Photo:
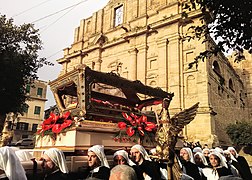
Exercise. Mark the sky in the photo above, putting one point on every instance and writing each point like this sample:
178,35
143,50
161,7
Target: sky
56,20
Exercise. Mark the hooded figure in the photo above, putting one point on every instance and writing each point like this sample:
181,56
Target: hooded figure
232,163
146,168
200,160
219,167
98,166
188,165
99,151
10,164
54,164
125,157
245,170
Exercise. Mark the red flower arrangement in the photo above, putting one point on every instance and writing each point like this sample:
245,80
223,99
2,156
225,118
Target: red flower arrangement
135,126
55,124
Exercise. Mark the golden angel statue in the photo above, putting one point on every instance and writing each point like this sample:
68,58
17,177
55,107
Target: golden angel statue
167,135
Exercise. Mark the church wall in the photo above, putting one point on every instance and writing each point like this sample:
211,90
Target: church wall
159,59
226,93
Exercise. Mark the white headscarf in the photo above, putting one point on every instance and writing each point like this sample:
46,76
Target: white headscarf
202,157
124,154
232,148
57,158
231,155
11,165
24,155
142,151
189,151
197,149
219,150
221,157
99,151
205,149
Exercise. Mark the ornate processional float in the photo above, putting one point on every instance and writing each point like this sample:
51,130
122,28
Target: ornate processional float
103,108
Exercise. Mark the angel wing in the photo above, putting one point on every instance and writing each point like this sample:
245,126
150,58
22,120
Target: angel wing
179,120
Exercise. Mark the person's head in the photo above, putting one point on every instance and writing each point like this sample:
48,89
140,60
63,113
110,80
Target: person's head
219,150
121,157
10,165
197,149
96,157
200,159
186,154
138,154
233,151
53,159
93,160
119,160
214,160
206,152
122,172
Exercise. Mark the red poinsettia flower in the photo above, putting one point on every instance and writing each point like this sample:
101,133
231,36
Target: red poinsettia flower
136,125
126,116
141,132
122,125
56,128
143,118
52,119
66,123
130,131
56,123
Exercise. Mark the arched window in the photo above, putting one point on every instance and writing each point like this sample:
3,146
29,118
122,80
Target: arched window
231,85
216,68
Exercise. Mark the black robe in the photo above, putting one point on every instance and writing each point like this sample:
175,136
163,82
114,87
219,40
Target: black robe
150,168
103,173
56,175
191,170
223,171
245,170
84,173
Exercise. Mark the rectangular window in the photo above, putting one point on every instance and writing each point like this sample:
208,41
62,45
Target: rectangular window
34,127
118,15
26,109
22,126
39,91
37,110
28,88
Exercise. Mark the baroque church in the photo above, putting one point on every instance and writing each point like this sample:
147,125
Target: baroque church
142,40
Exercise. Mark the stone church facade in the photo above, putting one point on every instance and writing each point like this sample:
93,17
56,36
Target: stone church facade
142,40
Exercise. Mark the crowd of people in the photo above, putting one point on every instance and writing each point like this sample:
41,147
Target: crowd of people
196,163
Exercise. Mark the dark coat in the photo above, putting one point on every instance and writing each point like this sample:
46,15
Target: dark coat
84,173
192,170
223,171
245,170
150,168
56,175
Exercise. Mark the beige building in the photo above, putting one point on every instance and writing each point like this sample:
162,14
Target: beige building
142,40
24,126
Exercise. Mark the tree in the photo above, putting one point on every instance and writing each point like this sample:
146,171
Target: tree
19,46
228,21
240,133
